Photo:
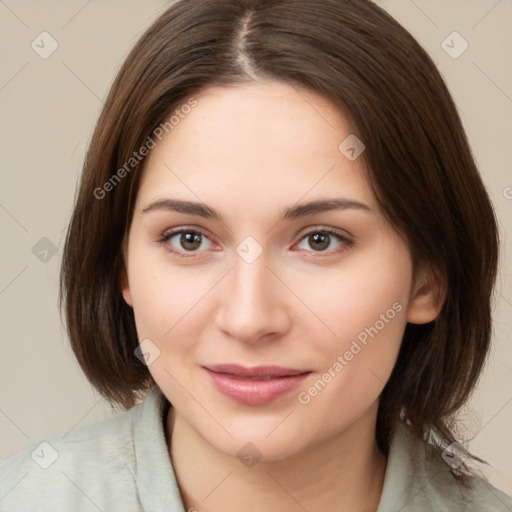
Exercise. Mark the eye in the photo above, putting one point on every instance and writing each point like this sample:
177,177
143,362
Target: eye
183,240
319,240
187,240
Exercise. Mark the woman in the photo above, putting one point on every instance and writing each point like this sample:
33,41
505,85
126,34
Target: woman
281,243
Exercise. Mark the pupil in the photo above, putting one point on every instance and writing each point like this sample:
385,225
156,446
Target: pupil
190,241
321,241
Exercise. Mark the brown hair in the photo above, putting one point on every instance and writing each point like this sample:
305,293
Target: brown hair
417,155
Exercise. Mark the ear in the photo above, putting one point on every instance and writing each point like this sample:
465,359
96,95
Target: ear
427,297
123,277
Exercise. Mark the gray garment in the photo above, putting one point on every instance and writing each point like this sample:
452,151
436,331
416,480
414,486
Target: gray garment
122,464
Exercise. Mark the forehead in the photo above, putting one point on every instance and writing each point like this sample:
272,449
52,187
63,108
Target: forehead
264,140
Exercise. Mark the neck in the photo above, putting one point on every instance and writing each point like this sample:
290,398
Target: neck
347,470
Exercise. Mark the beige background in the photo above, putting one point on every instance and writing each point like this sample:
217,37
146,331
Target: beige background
49,108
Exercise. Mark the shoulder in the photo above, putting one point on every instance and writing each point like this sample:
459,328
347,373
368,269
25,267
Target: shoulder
420,479
76,471
445,492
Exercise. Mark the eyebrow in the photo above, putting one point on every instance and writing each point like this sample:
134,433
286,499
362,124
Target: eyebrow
291,213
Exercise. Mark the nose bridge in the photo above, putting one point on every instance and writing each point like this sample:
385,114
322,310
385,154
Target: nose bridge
250,284
251,306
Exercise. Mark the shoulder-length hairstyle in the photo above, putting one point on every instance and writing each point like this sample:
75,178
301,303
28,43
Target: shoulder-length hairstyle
417,155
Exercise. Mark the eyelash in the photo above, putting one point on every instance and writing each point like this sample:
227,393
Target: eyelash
326,231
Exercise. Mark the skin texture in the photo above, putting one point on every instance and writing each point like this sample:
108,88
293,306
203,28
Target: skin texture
250,151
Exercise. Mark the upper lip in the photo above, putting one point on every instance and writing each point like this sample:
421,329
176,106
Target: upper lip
255,371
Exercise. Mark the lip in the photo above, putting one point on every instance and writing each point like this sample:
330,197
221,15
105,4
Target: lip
258,385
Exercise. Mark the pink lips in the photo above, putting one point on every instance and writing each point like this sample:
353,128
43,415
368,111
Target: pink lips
259,385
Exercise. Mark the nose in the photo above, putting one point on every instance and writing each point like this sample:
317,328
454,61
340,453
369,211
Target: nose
253,305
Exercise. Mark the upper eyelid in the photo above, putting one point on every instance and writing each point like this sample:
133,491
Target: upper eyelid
303,232
331,230
176,231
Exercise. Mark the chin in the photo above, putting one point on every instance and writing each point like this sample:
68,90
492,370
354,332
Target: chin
261,449
265,439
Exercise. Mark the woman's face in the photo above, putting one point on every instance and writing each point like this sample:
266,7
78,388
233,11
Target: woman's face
245,273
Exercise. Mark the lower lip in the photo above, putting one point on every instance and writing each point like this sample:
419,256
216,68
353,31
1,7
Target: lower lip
255,392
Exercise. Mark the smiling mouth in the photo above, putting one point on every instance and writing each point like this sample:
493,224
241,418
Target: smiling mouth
254,386
256,372
239,377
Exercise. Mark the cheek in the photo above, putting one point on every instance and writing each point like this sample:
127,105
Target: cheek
168,311
357,298
167,298
366,307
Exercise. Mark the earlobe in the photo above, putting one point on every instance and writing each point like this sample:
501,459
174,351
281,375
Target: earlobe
123,275
125,287
123,281
427,298
127,296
